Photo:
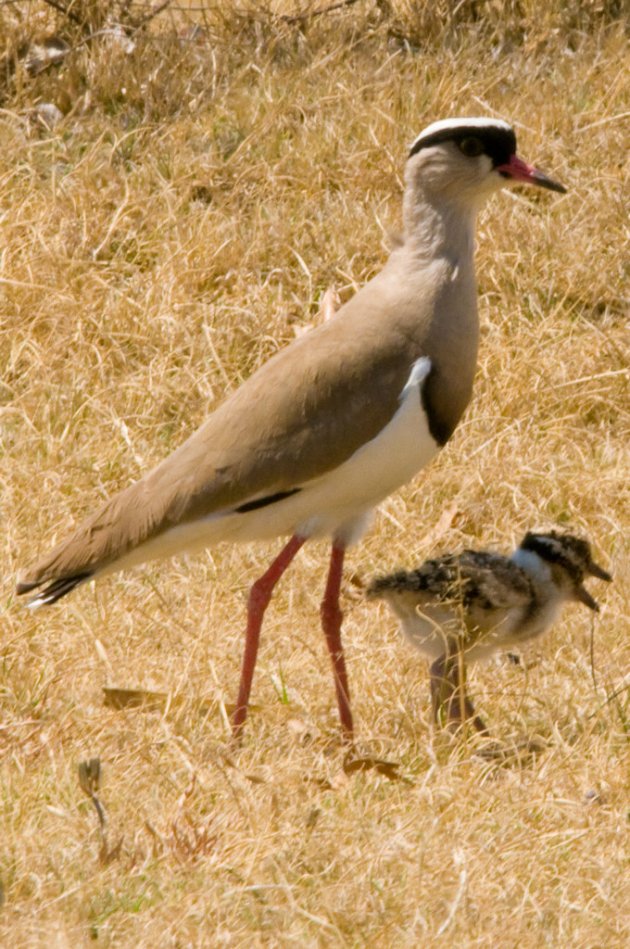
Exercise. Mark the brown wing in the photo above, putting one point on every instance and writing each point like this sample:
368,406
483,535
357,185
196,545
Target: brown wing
303,413
493,582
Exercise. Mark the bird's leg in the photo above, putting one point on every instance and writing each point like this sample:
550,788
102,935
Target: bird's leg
456,671
448,690
444,684
440,687
478,723
259,597
464,710
331,617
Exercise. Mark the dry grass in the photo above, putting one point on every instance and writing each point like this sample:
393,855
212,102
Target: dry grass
170,233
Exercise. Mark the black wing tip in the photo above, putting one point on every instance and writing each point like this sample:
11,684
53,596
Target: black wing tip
54,591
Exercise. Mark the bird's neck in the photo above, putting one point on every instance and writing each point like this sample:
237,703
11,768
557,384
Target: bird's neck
441,229
548,597
540,573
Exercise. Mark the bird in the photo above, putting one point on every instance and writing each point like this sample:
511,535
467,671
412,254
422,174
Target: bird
332,424
463,607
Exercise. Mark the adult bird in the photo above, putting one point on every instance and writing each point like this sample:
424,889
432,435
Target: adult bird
334,423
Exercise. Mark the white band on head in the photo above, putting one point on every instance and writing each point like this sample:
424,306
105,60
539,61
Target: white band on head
445,125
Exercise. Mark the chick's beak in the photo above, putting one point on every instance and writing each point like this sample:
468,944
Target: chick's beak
583,596
596,571
518,170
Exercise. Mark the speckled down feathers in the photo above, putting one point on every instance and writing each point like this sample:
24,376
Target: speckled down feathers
487,580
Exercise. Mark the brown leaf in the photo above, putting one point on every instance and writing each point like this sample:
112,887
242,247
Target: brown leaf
388,769
134,698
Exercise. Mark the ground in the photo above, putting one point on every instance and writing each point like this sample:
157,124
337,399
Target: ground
182,220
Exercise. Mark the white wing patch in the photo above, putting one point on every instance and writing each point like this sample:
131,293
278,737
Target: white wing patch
419,371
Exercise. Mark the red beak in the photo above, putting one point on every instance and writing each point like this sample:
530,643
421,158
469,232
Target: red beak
519,170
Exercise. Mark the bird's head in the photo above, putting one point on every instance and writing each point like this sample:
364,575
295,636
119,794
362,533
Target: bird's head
569,560
466,160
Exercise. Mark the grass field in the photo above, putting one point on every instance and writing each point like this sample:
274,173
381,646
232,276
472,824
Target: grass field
182,221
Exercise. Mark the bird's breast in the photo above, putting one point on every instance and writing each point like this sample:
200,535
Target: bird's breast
380,466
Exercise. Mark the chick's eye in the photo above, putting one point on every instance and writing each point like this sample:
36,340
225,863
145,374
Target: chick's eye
471,146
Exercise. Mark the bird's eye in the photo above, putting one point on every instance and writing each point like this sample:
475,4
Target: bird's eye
471,146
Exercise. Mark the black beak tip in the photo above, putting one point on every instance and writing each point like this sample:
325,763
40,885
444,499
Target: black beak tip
549,184
600,573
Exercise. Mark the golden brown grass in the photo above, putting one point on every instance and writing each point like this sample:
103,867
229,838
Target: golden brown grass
179,225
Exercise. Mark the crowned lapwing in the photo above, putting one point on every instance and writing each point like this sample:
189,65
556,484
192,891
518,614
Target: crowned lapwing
332,424
463,607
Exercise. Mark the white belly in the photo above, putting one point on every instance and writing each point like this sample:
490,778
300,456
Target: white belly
428,628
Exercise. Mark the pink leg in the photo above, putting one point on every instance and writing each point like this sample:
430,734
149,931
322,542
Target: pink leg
259,597
331,622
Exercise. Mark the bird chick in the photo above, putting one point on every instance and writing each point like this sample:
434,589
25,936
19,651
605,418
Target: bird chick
463,607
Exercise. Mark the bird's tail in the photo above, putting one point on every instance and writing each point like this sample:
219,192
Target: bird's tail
53,591
97,541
